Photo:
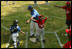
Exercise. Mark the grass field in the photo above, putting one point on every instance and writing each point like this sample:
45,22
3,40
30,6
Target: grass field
19,11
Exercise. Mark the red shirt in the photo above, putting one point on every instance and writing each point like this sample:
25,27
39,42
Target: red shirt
67,45
68,31
68,12
41,23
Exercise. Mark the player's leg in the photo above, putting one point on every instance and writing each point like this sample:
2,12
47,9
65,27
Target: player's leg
35,2
18,39
6,2
14,38
32,28
43,35
38,35
68,23
46,2
9,41
37,29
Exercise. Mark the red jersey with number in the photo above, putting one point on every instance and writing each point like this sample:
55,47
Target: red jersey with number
68,12
41,23
67,45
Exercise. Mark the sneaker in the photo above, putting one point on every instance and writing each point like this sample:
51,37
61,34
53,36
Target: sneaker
32,35
37,40
43,41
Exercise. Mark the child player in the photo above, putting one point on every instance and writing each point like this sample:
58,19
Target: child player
41,23
67,8
68,44
15,29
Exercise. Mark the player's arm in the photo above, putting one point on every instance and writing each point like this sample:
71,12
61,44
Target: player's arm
33,15
57,6
64,7
29,19
11,29
34,20
20,30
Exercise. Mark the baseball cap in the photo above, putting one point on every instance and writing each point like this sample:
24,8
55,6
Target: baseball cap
29,7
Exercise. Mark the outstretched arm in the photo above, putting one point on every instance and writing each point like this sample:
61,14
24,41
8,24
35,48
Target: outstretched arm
29,20
19,29
63,7
46,18
34,20
57,6
22,32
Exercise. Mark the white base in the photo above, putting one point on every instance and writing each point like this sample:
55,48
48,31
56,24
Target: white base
33,40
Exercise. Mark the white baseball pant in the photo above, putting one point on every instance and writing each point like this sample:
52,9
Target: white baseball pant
40,32
14,38
33,25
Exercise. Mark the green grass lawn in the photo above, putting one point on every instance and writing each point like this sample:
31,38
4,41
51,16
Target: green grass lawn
19,11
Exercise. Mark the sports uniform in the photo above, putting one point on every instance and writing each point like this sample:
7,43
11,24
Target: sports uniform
33,25
41,27
14,31
68,14
68,44
68,31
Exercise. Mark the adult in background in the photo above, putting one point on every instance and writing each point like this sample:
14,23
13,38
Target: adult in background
35,2
47,3
7,3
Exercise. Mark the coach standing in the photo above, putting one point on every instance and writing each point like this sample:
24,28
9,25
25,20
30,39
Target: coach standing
33,25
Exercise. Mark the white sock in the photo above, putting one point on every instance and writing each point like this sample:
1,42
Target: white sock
15,45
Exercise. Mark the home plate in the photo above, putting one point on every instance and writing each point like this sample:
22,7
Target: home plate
33,40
